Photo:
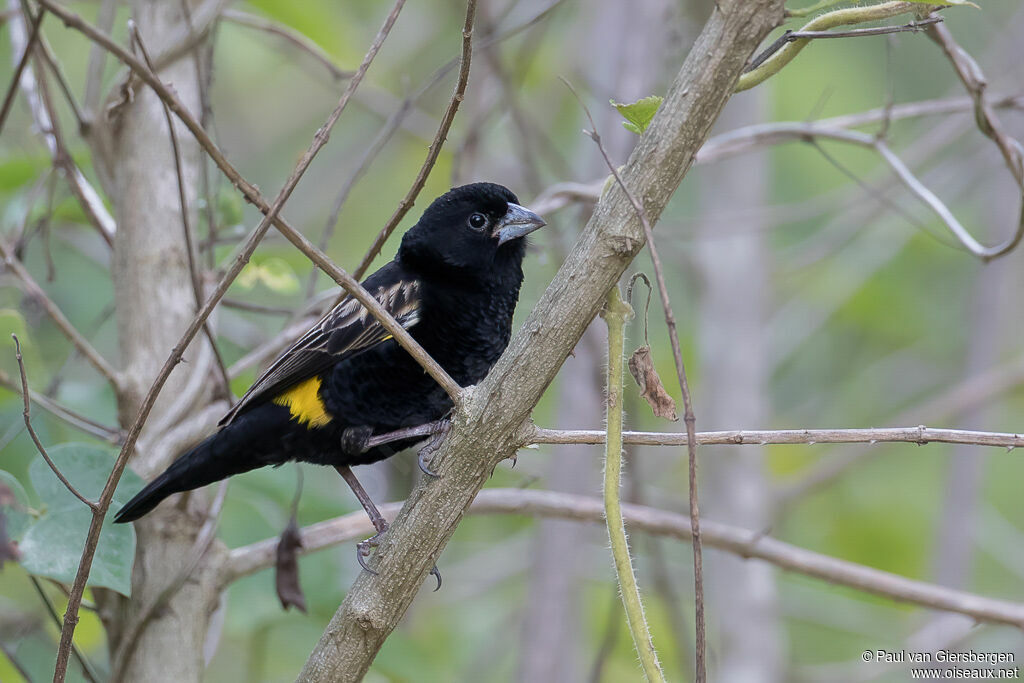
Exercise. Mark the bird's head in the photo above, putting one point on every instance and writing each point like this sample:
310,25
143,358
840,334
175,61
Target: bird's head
472,228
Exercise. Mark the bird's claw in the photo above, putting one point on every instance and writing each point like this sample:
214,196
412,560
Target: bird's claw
437,575
364,547
427,452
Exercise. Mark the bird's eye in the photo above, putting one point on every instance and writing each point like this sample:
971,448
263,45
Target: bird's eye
477,221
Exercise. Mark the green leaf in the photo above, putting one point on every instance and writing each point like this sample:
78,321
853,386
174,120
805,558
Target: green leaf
52,547
639,114
87,467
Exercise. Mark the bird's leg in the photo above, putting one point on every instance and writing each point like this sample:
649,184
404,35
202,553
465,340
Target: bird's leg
377,519
425,429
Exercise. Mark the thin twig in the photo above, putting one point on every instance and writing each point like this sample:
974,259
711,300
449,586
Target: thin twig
839,17
253,195
62,82
616,313
12,89
973,79
689,419
35,292
87,670
791,36
780,132
958,400
748,138
186,225
743,542
435,146
319,140
87,425
27,414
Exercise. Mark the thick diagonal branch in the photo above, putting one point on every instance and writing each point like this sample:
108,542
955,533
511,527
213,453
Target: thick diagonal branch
485,427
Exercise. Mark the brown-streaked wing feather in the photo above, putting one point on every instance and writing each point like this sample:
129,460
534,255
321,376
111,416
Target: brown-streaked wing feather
345,330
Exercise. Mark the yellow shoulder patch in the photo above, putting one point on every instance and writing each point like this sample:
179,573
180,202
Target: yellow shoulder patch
304,403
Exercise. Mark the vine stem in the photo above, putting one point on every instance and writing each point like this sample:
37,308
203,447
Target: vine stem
615,314
840,17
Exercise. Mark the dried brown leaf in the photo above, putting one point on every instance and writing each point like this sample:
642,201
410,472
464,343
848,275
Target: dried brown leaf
651,389
286,570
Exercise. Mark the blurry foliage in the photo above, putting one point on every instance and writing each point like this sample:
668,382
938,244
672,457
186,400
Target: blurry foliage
898,339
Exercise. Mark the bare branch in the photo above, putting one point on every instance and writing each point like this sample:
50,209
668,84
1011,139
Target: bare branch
973,78
27,414
33,290
920,435
746,543
748,138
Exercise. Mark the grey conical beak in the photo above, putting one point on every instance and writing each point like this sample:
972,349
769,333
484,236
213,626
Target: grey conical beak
517,222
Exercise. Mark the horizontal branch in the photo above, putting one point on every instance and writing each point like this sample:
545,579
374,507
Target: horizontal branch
920,435
743,542
748,138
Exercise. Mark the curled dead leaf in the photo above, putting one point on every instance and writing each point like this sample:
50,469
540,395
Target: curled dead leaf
286,569
651,389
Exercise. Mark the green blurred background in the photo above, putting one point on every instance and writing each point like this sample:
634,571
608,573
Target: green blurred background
811,291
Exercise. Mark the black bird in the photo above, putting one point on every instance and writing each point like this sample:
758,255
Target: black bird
453,284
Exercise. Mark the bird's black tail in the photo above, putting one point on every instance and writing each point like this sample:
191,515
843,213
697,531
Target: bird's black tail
251,441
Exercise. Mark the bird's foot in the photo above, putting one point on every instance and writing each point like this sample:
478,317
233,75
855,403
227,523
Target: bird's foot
427,452
363,549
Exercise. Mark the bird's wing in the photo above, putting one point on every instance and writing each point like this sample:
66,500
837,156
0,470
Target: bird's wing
344,331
